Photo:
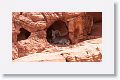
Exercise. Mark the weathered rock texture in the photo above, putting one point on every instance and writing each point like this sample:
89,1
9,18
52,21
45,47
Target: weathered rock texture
87,51
31,32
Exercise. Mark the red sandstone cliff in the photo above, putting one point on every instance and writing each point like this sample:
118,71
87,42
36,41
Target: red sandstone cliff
31,34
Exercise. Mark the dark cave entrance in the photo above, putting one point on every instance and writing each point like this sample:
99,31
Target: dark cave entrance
57,33
24,34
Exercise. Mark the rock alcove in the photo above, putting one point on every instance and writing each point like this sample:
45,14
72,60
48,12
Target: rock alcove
57,33
24,34
47,32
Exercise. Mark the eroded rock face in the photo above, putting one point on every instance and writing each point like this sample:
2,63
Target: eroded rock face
86,51
32,31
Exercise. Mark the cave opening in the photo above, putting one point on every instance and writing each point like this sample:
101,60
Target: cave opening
57,33
23,35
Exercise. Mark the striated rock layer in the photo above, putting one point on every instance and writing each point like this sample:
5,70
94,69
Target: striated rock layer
31,31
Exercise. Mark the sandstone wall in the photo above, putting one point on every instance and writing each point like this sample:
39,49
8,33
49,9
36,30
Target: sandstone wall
79,26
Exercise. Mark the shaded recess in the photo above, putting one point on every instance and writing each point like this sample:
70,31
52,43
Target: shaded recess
23,35
97,26
57,33
97,16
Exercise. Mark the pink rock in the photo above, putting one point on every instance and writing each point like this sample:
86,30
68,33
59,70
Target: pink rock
29,29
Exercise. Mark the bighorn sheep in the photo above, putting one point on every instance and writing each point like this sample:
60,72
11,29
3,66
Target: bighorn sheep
58,39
